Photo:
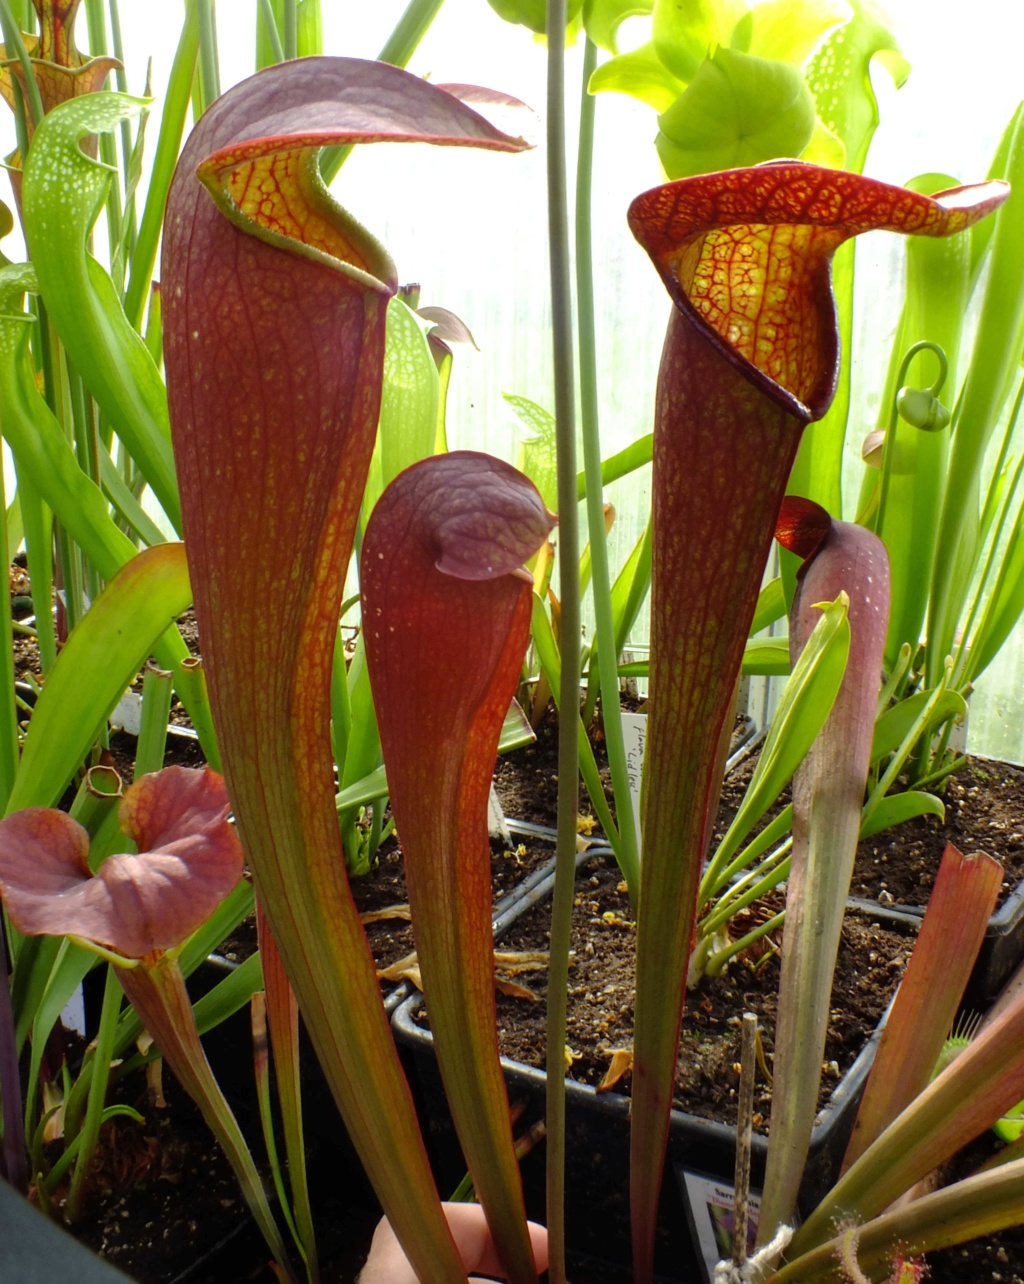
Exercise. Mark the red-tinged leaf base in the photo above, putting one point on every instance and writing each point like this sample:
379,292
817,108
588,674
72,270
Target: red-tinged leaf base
954,926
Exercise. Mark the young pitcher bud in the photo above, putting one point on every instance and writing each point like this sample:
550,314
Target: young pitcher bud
922,409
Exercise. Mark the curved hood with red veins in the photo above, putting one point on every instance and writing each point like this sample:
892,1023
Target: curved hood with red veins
274,307
751,357
189,859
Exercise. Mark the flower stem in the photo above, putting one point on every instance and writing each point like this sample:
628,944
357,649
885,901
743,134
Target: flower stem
568,558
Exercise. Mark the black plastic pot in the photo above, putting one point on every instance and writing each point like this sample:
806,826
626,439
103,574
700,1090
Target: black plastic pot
1002,949
597,1211
597,1214
36,1251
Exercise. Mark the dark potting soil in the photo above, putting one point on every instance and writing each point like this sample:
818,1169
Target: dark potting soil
601,996
984,812
165,1196
382,892
984,803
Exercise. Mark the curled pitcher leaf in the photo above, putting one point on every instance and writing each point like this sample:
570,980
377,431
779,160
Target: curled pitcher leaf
828,794
751,357
59,69
274,307
189,859
442,575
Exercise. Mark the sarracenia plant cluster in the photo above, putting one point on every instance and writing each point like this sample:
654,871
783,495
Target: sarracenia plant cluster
278,445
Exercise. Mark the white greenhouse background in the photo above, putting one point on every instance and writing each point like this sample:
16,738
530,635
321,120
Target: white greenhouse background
471,228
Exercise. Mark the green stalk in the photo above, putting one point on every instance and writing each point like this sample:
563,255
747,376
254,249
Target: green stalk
607,652
291,29
156,711
39,551
172,127
269,29
90,1132
209,67
399,47
15,46
157,993
568,558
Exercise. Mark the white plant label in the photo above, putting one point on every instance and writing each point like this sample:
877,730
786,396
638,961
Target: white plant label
634,732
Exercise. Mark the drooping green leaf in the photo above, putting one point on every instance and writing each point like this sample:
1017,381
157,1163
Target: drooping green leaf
894,725
766,657
684,35
80,297
641,74
602,19
621,464
803,709
896,809
771,606
229,995
737,110
44,456
790,30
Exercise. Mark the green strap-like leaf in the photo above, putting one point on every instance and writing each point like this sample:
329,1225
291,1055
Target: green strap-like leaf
802,712
63,192
895,809
95,667
994,360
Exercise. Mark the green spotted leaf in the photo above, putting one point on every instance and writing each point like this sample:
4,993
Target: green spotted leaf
839,77
63,191
537,453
